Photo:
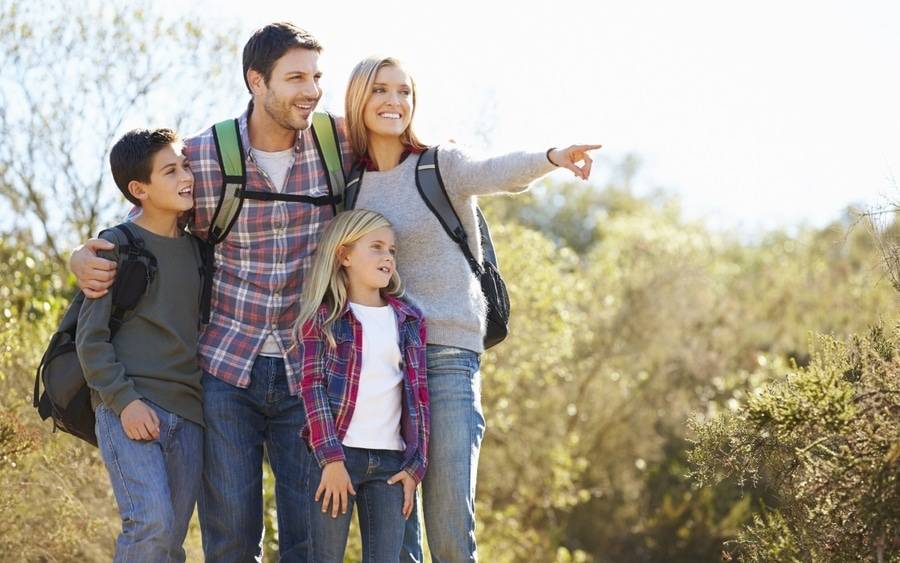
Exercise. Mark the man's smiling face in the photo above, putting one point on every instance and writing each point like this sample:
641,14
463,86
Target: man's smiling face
292,91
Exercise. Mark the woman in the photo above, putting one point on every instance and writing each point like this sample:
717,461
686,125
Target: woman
380,105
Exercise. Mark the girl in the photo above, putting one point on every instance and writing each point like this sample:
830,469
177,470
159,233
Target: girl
364,390
380,104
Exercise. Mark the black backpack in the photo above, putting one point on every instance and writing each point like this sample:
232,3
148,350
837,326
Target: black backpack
66,398
431,188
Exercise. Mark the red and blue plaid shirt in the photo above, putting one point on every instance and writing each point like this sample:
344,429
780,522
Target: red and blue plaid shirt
331,381
260,265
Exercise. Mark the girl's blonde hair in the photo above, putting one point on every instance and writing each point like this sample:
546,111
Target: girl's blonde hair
359,90
327,280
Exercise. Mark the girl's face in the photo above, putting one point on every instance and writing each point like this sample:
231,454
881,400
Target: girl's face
388,111
370,261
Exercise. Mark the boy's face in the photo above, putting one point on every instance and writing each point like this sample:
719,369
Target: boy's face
171,186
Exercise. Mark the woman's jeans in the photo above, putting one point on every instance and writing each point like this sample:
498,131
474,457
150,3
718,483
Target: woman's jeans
156,483
457,428
380,508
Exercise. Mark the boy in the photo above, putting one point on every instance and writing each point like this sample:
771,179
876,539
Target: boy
145,384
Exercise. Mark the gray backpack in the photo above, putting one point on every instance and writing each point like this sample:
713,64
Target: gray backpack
431,188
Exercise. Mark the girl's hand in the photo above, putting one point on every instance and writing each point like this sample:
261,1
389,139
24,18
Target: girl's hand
333,488
569,157
409,490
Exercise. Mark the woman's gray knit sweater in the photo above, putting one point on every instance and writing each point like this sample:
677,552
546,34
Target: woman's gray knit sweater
433,269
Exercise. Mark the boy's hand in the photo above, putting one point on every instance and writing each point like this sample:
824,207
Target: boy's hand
139,421
409,490
333,488
94,275
570,156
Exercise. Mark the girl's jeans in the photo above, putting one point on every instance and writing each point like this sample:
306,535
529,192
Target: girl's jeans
156,483
380,508
457,428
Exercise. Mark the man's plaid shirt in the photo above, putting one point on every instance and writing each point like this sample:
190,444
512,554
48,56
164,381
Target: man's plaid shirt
260,265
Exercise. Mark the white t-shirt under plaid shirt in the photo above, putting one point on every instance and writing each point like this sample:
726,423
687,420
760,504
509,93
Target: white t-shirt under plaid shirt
375,423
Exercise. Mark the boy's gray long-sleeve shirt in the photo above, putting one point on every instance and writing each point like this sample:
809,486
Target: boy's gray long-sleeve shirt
154,354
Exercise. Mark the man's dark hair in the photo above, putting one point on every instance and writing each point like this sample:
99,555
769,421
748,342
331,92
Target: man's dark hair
131,158
270,43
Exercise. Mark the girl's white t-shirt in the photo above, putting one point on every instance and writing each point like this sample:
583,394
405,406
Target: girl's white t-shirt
375,423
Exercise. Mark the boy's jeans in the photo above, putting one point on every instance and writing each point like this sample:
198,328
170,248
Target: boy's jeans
380,508
457,428
156,483
240,423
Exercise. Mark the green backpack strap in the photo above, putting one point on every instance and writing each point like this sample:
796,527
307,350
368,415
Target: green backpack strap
325,133
230,153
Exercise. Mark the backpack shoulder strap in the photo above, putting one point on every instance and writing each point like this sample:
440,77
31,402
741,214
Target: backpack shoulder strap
204,254
129,246
431,188
231,156
354,182
487,244
325,134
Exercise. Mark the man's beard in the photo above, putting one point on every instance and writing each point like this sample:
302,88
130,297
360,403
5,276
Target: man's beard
281,112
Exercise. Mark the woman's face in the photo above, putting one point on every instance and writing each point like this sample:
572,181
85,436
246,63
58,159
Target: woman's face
389,108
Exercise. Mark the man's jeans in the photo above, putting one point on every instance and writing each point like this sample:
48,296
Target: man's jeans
380,508
457,427
239,424
156,483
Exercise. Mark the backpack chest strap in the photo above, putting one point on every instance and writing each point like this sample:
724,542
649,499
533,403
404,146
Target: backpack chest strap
291,198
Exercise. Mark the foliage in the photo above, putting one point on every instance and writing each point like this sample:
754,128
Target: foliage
654,320
627,321
611,351
826,438
71,81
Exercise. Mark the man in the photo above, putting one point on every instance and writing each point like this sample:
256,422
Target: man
251,375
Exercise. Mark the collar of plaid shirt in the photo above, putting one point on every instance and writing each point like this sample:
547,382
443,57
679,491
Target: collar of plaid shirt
261,264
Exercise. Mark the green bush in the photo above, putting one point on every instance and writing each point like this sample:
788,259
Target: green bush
826,440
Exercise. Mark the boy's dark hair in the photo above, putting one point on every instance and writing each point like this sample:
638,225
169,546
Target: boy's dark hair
131,158
270,43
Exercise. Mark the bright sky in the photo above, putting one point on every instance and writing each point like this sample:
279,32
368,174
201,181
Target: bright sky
758,114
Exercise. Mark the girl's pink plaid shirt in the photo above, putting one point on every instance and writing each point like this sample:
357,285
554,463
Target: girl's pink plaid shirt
331,380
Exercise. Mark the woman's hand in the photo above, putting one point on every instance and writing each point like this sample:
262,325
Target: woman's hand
333,488
569,157
94,275
409,490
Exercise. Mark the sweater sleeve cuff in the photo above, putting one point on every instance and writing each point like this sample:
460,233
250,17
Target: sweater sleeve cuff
547,154
120,400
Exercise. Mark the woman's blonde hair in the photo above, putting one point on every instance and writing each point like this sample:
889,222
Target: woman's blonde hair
359,90
327,280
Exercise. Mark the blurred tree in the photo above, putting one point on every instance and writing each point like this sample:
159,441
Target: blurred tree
615,346
72,79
